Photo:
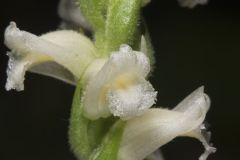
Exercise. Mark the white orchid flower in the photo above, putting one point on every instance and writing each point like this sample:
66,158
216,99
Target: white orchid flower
63,54
145,134
192,3
116,85
120,87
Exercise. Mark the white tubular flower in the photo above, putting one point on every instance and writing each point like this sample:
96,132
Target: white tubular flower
145,134
191,3
60,54
120,88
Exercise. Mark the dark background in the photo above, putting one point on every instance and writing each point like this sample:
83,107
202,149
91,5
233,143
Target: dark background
193,48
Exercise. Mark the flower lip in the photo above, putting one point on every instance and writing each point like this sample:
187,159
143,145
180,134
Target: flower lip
121,101
120,88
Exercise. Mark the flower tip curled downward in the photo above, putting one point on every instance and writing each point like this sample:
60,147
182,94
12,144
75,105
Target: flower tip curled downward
15,74
120,87
15,70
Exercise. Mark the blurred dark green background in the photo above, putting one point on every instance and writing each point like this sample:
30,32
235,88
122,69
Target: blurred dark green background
193,48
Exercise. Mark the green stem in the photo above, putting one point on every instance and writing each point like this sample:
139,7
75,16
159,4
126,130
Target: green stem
85,135
111,143
78,137
121,25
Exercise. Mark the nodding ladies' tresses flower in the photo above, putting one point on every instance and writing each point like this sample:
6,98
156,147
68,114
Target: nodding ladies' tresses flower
191,3
61,54
117,85
158,126
120,87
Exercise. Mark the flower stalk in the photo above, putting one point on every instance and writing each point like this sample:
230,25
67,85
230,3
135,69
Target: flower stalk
111,115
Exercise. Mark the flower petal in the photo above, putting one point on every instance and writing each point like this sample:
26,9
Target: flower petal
156,127
197,97
120,88
53,69
67,48
191,3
